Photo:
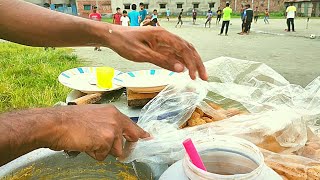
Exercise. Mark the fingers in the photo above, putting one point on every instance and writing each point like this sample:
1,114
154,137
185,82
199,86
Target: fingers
98,155
117,147
179,54
199,64
132,132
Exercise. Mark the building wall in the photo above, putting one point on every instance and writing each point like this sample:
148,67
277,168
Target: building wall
59,1
273,5
187,5
104,7
307,8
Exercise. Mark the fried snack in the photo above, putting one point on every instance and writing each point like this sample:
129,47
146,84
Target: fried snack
214,106
284,178
308,151
195,115
290,172
207,119
198,117
293,167
196,122
200,112
314,172
295,171
314,145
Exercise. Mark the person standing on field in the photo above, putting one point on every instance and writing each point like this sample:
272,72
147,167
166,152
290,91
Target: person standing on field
194,16
219,12
209,17
125,21
134,16
168,14
226,19
247,19
143,13
266,16
117,16
96,17
180,19
256,15
291,13
154,18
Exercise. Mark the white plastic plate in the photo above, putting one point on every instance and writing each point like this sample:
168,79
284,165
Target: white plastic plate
84,80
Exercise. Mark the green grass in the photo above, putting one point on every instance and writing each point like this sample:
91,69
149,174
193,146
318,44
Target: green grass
28,76
104,19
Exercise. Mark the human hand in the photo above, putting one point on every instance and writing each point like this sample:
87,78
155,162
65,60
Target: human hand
97,130
157,46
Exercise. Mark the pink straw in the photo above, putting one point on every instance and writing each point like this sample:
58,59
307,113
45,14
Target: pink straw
193,154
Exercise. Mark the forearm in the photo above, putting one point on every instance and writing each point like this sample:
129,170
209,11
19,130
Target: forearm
27,130
29,24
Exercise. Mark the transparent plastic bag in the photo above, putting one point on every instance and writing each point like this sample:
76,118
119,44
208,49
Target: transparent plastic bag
292,167
280,112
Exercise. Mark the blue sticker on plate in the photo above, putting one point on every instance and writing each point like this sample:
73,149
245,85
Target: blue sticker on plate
131,74
63,74
118,79
80,70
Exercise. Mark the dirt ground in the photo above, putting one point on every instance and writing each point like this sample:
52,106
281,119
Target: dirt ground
292,54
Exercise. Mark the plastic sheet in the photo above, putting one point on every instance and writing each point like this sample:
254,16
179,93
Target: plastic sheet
292,167
280,112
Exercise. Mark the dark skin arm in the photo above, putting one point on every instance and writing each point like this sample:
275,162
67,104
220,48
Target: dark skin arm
97,130
88,131
154,45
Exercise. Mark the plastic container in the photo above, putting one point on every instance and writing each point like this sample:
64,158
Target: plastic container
226,158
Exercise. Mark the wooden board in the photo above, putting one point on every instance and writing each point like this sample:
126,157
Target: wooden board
139,99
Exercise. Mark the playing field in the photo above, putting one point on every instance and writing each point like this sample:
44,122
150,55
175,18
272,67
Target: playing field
294,55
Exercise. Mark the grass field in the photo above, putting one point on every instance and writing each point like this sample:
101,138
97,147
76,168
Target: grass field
28,76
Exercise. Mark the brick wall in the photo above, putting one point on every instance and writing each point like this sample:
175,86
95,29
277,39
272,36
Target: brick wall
275,5
104,7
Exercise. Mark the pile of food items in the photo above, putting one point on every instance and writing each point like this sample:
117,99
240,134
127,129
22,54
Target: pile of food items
198,117
303,164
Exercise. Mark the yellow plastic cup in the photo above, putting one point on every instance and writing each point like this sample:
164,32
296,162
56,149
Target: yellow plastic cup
104,77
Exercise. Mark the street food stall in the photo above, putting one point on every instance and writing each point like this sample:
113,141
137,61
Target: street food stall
246,122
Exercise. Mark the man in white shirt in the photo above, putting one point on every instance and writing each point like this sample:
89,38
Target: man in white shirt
291,13
125,21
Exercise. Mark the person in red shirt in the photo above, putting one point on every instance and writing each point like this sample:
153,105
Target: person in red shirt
96,17
117,17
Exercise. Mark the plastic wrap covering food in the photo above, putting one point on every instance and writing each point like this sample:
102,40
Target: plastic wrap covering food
292,167
242,98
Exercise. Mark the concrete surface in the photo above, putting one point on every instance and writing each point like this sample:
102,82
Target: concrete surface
292,54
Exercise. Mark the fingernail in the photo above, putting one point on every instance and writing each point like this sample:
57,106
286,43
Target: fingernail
178,67
206,76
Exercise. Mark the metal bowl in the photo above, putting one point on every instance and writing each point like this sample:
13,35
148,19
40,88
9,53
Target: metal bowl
48,164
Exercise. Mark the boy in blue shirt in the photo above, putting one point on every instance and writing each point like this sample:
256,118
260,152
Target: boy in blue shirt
143,12
168,14
134,16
